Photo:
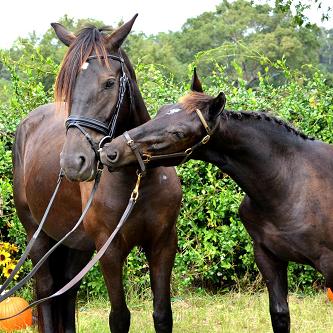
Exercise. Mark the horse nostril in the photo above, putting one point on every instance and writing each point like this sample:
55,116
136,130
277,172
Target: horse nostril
81,160
113,156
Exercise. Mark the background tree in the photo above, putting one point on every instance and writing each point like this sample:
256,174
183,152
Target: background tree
300,7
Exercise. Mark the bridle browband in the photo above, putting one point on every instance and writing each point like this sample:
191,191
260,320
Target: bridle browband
107,129
145,158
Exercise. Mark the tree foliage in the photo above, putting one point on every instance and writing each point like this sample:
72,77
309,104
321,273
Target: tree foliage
258,28
300,8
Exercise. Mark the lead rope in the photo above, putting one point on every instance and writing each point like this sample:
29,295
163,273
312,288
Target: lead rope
51,250
34,237
131,203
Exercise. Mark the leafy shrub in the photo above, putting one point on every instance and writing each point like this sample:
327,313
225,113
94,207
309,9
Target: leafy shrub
215,251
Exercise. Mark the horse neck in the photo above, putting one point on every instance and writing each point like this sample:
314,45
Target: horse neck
134,110
139,111
258,154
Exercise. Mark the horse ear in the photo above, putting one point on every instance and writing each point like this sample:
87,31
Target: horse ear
217,105
116,39
196,84
63,34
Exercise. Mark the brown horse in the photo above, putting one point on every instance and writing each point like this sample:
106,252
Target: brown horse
287,178
98,84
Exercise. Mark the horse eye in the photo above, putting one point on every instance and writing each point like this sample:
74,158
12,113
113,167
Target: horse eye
109,84
179,135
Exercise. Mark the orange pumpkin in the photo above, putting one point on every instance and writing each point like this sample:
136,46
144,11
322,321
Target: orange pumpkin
11,306
330,294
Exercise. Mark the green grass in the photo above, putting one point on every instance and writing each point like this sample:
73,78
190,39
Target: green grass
228,313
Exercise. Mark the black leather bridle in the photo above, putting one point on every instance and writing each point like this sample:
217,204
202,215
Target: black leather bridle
145,158
107,129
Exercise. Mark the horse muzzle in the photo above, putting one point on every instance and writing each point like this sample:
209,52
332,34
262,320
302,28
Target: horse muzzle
77,167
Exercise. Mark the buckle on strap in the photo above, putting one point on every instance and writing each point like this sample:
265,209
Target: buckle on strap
135,150
205,139
135,192
146,158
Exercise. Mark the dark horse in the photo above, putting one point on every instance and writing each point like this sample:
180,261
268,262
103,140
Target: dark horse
287,178
89,82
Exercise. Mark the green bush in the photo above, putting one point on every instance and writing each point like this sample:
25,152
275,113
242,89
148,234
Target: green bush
215,251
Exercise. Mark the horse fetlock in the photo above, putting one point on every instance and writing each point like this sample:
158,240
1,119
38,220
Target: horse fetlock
119,321
280,321
163,321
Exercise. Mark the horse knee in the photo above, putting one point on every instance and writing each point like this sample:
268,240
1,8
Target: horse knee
44,286
119,321
163,321
280,320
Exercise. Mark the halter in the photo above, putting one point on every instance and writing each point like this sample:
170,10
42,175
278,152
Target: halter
107,129
145,158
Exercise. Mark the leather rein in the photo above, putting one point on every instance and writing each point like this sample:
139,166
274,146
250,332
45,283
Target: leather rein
145,158
108,130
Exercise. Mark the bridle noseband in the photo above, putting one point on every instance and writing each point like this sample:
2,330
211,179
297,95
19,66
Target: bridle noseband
145,158
107,129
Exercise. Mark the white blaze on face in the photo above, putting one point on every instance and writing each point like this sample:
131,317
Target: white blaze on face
172,111
85,66
163,178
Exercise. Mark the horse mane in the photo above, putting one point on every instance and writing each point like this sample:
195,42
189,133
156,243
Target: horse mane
262,115
201,101
89,40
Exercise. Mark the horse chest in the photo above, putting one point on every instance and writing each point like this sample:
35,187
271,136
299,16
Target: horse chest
149,217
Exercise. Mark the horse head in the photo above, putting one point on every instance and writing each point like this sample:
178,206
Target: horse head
92,86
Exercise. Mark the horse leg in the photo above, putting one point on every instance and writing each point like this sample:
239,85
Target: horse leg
56,315
274,272
112,265
66,263
161,257
43,277
44,283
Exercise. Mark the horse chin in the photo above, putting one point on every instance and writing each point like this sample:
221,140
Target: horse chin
92,175
87,176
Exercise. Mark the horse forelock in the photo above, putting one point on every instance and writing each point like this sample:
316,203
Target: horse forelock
89,40
195,100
